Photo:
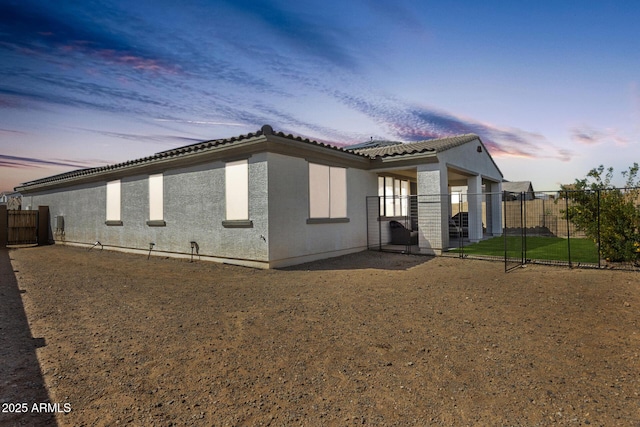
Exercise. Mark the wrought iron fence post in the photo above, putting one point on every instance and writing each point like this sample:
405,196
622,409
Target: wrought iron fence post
524,227
599,266
522,232
380,198
461,232
566,200
504,227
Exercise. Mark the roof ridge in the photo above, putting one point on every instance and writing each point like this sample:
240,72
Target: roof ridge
181,151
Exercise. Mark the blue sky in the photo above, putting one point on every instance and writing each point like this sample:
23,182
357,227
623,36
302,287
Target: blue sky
552,88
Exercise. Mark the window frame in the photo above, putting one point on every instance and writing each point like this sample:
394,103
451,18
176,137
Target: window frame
395,204
156,200
113,202
236,180
328,194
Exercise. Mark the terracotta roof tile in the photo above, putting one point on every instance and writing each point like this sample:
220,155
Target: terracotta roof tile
431,145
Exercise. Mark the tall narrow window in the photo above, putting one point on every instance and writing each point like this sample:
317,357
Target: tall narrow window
404,195
113,203
237,194
394,195
337,192
318,191
388,196
327,192
381,194
156,200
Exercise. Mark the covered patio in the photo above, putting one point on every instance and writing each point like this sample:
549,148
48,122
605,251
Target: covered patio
415,183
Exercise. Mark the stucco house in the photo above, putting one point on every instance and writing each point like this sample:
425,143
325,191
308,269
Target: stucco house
267,199
11,199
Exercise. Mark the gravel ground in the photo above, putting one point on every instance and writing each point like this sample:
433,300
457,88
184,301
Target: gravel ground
366,339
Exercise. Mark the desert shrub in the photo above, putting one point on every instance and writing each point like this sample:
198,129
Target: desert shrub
618,211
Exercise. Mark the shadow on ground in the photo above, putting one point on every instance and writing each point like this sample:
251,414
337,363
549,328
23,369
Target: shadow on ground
364,260
21,380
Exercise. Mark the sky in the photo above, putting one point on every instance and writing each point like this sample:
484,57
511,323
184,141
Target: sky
552,88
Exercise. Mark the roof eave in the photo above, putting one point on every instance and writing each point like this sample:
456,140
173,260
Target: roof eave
408,156
152,165
269,142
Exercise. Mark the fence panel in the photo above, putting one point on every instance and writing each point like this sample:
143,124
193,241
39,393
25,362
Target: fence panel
392,223
514,220
456,208
22,227
548,235
374,233
592,229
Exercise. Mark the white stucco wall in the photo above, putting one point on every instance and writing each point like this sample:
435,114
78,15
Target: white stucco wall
466,157
291,239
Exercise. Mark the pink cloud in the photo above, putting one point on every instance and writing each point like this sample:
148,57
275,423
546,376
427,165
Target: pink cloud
137,62
590,136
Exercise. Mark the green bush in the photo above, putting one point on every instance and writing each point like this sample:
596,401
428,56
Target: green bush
618,228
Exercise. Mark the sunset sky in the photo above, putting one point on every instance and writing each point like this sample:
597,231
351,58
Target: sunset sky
552,88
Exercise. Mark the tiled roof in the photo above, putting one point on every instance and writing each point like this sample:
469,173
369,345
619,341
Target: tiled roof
517,186
177,152
200,147
381,149
372,144
431,145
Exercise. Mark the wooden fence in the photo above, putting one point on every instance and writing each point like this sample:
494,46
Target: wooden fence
22,227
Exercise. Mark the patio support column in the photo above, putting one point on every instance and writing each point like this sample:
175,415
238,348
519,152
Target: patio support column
433,228
474,198
494,209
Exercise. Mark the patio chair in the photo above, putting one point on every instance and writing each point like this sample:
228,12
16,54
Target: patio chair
400,235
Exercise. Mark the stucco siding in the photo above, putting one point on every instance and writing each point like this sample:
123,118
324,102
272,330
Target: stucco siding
82,206
291,238
194,210
468,158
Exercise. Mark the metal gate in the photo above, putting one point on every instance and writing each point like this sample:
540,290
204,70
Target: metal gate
515,229
22,227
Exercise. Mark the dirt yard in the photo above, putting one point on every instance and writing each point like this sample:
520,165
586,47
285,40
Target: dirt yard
367,339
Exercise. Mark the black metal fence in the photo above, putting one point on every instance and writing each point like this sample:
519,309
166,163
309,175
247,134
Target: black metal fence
591,229
392,224
588,229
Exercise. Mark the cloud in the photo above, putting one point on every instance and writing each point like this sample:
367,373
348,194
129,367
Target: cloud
163,139
76,92
31,162
308,33
200,122
38,31
8,101
410,122
11,131
586,135
507,142
589,136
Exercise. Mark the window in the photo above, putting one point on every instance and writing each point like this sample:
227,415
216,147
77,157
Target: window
113,203
237,194
156,201
327,192
394,196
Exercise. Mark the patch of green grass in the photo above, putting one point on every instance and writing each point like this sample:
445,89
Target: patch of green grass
539,248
